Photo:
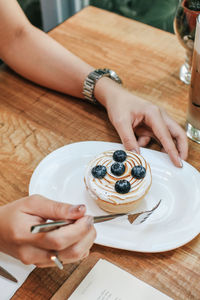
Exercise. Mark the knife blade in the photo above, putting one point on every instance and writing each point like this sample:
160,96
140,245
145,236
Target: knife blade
4,273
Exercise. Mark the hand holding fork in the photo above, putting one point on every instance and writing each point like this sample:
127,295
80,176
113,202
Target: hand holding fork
133,218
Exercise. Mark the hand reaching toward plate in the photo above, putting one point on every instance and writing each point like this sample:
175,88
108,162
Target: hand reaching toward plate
137,121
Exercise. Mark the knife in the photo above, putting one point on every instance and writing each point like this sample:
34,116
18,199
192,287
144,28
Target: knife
4,273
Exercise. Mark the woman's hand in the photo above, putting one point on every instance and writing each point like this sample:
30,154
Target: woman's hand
137,121
71,242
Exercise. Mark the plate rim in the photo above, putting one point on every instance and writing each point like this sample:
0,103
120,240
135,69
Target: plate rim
68,146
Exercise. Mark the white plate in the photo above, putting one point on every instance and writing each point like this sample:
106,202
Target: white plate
59,176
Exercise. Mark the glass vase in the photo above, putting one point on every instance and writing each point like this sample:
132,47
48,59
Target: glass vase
184,27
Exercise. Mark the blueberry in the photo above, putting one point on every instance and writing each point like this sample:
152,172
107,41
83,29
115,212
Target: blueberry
138,172
118,169
122,186
99,171
119,155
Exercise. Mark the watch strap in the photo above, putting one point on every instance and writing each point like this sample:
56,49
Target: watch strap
92,78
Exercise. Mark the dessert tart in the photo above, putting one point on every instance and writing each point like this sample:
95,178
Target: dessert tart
118,180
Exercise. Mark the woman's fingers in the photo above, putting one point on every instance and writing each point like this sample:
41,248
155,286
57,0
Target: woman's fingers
182,145
178,134
181,141
65,236
154,119
29,254
78,250
48,209
127,136
143,141
73,253
71,243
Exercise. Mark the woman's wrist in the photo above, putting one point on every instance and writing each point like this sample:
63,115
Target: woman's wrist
106,90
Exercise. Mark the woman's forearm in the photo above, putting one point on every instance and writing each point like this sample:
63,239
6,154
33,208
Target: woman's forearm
41,59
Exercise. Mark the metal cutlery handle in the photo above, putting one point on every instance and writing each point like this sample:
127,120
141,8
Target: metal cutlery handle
48,226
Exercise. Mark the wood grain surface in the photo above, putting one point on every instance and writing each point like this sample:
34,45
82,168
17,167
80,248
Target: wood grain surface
35,121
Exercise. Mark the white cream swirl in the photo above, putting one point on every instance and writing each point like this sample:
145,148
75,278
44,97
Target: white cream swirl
104,189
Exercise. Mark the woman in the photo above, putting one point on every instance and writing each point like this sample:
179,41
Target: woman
24,47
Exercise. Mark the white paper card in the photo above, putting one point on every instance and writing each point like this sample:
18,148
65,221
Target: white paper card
106,281
18,270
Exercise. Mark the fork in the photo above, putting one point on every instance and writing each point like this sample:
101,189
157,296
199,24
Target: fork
136,218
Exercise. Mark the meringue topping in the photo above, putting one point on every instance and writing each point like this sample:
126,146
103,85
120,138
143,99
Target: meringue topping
105,188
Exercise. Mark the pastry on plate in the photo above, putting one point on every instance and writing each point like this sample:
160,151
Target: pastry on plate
118,180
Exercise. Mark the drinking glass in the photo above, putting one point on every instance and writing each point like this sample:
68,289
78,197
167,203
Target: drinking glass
193,112
184,27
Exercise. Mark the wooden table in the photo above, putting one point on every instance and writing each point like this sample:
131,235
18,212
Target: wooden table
35,121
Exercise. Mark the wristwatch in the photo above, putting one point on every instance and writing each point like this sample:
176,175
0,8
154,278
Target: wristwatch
91,80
